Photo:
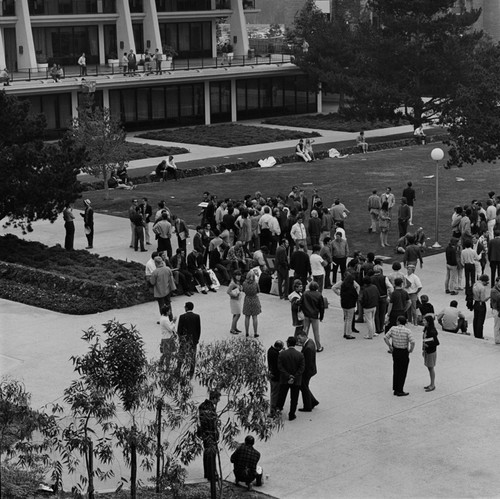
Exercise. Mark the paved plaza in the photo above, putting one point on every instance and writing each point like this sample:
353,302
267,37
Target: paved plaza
361,441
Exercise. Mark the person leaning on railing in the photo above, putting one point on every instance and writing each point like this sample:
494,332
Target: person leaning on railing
5,77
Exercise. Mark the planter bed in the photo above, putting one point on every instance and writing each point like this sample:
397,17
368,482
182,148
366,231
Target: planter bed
75,282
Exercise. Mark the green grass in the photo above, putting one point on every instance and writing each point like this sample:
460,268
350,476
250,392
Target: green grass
141,151
226,135
330,121
352,179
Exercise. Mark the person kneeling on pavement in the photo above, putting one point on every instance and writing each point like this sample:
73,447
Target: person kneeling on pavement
245,459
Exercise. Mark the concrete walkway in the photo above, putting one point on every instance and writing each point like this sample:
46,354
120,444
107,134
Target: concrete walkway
361,441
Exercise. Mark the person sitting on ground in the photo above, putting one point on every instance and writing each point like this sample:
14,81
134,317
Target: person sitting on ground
55,72
309,149
116,183
245,459
161,170
301,152
5,77
452,320
419,135
361,142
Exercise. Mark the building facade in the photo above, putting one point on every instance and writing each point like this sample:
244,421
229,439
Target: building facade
37,33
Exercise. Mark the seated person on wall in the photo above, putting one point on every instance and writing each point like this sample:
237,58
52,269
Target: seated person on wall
361,142
5,77
115,182
300,151
161,170
419,135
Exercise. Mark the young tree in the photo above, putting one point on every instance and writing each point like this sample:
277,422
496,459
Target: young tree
103,138
19,423
90,400
237,369
27,164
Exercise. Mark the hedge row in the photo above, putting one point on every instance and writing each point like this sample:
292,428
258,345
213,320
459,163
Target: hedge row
246,165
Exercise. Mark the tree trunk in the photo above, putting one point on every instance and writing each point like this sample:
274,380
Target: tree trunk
158,445
90,470
105,176
133,470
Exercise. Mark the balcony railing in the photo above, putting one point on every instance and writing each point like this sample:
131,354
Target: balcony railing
168,67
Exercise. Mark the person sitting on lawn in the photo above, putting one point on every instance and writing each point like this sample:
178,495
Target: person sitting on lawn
161,170
301,152
361,142
171,168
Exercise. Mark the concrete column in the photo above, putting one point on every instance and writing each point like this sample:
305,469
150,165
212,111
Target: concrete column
234,109
74,104
151,27
3,63
206,91
124,31
24,37
319,102
491,18
238,28
105,97
100,36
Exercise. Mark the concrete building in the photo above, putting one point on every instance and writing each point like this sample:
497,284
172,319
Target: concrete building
38,33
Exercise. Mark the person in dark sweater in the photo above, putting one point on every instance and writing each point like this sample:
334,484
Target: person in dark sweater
300,264
369,301
274,373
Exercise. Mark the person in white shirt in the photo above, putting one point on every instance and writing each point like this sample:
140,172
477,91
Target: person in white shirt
168,344
172,167
298,233
82,62
491,215
413,290
150,265
318,267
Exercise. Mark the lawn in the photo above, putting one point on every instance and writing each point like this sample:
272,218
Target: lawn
226,135
351,179
141,151
331,121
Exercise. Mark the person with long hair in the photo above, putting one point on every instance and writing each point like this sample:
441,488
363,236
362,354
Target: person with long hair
251,303
234,291
384,223
429,346
348,290
295,298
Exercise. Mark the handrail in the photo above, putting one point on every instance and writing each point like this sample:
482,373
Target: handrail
185,64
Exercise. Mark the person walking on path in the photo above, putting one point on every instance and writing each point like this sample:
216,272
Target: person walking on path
409,194
430,343
374,206
251,304
162,280
189,332
401,343
495,308
313,307
481,294
404,215
291,364
88,223
69,226
235,290
274,373
309,401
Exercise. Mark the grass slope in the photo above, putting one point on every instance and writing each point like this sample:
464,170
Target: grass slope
351,179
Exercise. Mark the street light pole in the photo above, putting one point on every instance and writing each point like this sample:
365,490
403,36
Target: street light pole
437,155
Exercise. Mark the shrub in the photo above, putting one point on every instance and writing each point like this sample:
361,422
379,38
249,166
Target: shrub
18,483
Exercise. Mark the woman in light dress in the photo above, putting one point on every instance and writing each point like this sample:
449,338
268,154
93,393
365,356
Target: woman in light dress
235,292
251,303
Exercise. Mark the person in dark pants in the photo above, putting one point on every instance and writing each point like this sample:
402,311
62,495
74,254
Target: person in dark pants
282,269
404,215
138,221
69,226
291,364
189,331
410,196
274,373
481,294
340,252
309,401
301,264
399,303
401,343
88,222
245,459
208,431
494,255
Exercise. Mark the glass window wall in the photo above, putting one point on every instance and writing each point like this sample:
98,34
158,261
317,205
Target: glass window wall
220,101
60,7
183,5
135,5
55,107
188,39
8,8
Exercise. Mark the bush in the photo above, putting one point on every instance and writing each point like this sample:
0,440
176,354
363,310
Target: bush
72,282
18,483
141,151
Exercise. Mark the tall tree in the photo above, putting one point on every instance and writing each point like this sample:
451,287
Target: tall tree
103,138
405,53
27,164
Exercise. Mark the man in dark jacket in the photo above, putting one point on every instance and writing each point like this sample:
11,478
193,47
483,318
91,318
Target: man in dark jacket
282,269
313,307
291,365
369,302
208,431
300,264
309,352
245,459
274,373
189,331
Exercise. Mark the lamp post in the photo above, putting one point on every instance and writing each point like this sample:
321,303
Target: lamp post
437,155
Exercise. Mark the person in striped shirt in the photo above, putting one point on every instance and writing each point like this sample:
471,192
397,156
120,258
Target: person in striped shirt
401,343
